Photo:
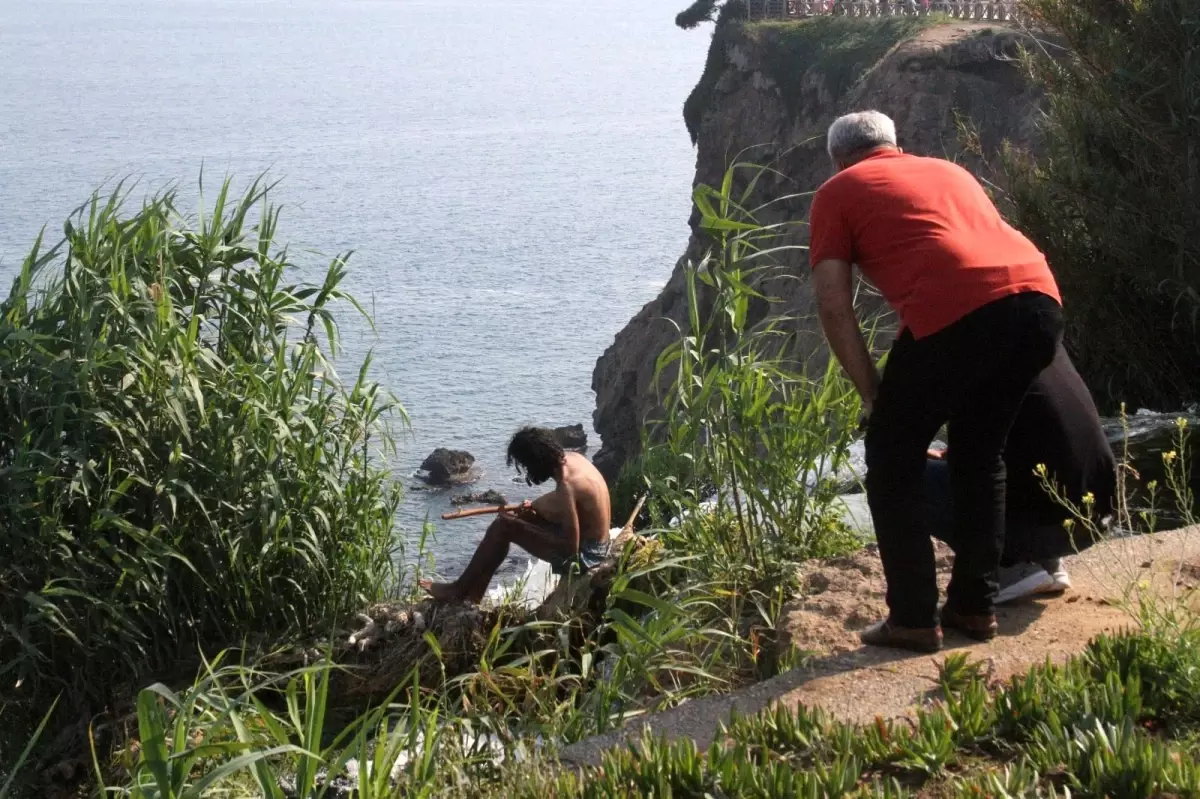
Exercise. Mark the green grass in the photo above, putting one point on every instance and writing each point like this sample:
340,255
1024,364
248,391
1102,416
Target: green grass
700,99
1100,725
200,373
760,440
1121,719
182,468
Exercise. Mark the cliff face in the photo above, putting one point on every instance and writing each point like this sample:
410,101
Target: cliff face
768,95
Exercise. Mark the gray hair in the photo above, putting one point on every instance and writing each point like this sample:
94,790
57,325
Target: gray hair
855,133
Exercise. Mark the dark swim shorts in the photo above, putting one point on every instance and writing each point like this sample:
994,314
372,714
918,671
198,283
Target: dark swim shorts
591,554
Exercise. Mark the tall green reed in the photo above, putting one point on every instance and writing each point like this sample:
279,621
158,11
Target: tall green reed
180,463
760,439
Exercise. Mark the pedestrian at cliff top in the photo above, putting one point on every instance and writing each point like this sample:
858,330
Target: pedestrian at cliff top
980,318
1056,438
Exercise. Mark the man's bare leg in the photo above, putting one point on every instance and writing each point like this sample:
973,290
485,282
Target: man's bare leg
505,530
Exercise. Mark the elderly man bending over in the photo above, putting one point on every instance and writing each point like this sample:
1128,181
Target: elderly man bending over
980,317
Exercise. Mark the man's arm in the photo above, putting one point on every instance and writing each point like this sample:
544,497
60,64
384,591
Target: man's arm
834,288
570,517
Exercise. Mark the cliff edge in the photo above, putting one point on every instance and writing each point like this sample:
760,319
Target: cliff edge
767,95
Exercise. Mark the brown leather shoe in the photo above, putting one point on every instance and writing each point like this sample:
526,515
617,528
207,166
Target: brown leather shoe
981,627
916,639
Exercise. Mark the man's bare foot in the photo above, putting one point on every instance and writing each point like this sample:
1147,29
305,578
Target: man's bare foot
443,592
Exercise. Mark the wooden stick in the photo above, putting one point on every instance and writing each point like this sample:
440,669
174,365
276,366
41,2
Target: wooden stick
462,514
628,528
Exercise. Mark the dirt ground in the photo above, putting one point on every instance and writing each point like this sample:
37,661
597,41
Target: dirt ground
856,683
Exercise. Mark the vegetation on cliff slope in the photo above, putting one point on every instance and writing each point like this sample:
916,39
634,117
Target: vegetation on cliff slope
761,443
1115,198
840,50
701,11
831,52
1121,719
203,315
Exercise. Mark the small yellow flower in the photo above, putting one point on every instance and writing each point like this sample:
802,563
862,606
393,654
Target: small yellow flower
1089,498
1152,486
1041,470
1068,524
1169,457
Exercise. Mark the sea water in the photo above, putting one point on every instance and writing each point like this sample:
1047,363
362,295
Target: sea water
514,177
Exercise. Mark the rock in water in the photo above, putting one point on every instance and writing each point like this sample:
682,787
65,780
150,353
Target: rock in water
571,437
489,497
448,467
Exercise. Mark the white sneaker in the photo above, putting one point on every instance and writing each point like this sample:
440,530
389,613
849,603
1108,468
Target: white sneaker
1060,580
1021,580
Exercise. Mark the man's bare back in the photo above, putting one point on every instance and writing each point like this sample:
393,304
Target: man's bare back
581,484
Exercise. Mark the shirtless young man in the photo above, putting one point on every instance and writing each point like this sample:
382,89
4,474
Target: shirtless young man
568,525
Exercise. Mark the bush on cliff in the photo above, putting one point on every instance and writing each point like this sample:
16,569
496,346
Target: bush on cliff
1115,199
179,463
728,18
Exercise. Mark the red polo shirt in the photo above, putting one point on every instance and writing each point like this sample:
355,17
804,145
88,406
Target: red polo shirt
925,233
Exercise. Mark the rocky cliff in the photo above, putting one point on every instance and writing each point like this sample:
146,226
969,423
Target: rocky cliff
768,93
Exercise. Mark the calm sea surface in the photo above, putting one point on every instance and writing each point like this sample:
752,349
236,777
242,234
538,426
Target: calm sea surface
513,176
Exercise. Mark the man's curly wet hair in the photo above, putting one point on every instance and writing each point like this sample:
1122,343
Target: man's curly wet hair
536,451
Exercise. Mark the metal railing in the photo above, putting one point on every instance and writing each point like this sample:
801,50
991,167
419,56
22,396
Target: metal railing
996,10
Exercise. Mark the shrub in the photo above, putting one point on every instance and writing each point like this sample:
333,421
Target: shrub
701,11
1115,199
728,22
179,461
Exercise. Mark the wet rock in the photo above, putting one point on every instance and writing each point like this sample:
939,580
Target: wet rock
608,462
489,497
448,467
572,437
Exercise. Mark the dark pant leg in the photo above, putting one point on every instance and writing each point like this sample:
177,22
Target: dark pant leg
1022,542
906,417
1024,331
939,507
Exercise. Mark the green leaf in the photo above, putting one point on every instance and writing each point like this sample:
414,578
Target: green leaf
153,740
239,763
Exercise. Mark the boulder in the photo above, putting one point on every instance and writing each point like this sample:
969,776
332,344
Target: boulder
448,467
489,497
572,437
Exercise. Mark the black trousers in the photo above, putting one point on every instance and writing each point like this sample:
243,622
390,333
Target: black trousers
1025,539
972,375
1059,427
